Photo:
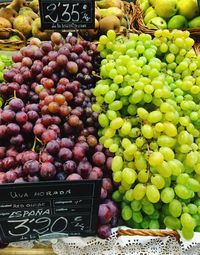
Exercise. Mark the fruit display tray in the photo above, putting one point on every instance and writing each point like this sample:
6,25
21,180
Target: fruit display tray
194,32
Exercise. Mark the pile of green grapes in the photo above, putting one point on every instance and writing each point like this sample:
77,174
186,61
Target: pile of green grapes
148,104
5,61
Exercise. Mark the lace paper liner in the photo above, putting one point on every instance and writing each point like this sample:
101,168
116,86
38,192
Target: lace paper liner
123,245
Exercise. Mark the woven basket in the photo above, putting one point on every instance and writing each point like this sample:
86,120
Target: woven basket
7,45
131,14
194,32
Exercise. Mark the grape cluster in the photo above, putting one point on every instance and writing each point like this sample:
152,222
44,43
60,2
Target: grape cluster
148,105
48,130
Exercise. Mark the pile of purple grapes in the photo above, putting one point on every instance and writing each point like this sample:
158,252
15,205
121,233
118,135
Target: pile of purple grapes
47,128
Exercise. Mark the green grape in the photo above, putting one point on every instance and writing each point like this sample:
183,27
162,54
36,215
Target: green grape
137,217
126,213
142,113
109,132
193,184
143,176
136,205
154,224
117,176
103,120
187,221
129,195
111,115
117,164
109,97
182,178
117,196
148,208
139,191
154,116
116,123
126,128
129,175
182,191
175,208
147,131
140,162
155,215
152,193
172,222
166,141
176,167
187,233
167,153
115,105
192,208
156,159
167,195
164,169
158,181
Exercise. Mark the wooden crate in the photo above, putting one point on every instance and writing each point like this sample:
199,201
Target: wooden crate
37,250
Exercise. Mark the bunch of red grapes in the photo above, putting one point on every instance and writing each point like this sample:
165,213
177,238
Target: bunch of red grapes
47,128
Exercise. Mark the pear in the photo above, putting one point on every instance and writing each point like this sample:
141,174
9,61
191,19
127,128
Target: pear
104,4
34,5
37,32
8,13
166,8
90,34
109,23
157,22
97,14
177,21
4,23
23,24
194,22
188,8
111,11
31,14
23,9
150,15
16,4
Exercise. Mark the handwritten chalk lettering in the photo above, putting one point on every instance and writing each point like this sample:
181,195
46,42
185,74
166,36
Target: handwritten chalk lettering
18,195
34,205
22,227
39,194
15,206
32,213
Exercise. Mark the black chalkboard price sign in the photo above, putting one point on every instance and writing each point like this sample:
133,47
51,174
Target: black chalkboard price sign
67,14
39,210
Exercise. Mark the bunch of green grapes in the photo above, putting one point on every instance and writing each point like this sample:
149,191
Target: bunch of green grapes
149,111
5,61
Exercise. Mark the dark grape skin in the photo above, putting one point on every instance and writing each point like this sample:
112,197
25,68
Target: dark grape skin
47,171
104,231
105,214
64,154
52,147
98,158
31,167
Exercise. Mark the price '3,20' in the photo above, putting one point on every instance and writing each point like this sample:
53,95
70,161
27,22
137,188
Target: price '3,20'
61,12
41,226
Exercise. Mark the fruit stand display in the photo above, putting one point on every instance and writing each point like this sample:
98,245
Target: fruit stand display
117,103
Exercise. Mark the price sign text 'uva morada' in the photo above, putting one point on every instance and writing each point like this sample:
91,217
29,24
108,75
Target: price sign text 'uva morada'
38,210
67,14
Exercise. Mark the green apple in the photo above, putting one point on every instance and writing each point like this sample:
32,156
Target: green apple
145,5
149,16
177,21
194,22
166,8
157,22
152,2
14,38
188,8
148,10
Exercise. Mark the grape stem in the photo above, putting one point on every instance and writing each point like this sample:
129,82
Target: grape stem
15,95
34,144
95,75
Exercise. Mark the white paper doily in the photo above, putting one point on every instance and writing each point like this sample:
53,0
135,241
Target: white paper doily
123,245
